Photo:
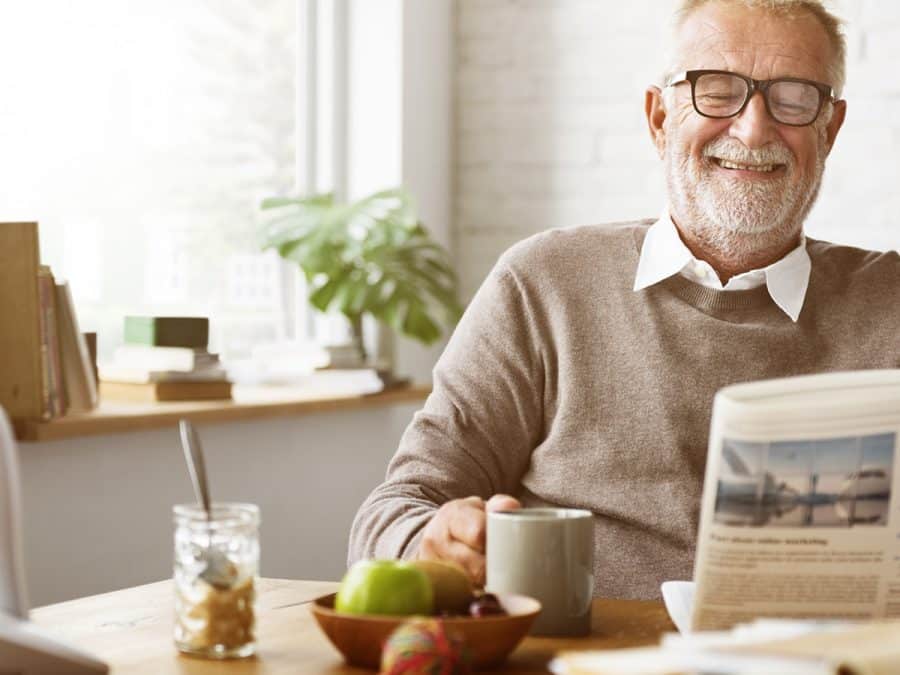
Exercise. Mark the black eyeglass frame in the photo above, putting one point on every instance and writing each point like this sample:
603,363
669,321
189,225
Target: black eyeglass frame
826,92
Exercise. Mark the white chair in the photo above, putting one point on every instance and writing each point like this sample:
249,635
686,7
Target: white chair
25,649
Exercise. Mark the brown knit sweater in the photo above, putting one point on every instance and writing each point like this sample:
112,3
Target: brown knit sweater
563,386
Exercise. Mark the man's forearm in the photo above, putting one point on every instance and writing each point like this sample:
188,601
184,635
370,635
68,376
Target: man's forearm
475,434
389,524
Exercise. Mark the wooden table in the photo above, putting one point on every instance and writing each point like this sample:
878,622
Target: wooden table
132,631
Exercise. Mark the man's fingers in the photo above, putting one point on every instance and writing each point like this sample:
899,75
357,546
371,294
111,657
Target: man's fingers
457,532
467,525
503,503
446,548
459,520
470,560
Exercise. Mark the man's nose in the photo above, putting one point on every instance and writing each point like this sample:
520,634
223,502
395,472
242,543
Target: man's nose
754,127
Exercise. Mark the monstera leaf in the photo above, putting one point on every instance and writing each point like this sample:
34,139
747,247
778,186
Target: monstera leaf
371,256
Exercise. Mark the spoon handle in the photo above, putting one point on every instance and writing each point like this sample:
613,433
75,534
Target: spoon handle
193,455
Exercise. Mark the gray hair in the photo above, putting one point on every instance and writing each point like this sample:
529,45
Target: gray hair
832,24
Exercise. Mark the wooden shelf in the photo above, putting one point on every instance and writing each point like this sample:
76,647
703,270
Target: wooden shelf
249,403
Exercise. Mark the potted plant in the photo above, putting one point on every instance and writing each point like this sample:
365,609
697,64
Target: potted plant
370,256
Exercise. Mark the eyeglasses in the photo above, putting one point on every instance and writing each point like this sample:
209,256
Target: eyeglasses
720,93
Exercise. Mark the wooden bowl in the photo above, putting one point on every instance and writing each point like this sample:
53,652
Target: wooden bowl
359,637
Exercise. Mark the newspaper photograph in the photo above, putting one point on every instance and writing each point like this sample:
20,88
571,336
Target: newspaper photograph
836,482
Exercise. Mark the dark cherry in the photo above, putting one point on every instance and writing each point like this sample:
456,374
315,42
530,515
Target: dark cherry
486,605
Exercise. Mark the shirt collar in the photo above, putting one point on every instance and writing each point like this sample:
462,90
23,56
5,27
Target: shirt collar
663,254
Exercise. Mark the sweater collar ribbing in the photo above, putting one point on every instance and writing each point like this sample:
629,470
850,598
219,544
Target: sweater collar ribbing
784,282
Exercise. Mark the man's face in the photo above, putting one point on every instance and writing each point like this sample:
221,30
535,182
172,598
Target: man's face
764,199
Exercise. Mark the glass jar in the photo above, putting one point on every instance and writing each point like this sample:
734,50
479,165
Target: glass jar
216,572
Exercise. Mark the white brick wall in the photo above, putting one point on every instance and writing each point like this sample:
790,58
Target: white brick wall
550,129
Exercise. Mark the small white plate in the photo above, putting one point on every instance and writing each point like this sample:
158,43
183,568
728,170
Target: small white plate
679,599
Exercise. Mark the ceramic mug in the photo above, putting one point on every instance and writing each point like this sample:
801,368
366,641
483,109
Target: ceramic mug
548,554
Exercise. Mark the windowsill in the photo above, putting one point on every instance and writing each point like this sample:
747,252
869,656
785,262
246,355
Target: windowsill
249,403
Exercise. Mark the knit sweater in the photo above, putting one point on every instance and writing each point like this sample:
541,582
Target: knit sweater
564,387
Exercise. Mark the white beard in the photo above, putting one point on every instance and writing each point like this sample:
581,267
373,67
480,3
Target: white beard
739,217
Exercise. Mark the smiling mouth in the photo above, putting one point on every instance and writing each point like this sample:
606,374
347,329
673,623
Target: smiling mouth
738,166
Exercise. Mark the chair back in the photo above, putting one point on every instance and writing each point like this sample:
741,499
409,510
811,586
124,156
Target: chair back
13,599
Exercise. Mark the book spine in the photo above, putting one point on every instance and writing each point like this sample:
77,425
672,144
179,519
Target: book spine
90,339
49,388
192,391
56,369
165,391
58,399
156,358
20,334
167,331
80,385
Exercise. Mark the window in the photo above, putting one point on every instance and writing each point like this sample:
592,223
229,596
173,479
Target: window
142,135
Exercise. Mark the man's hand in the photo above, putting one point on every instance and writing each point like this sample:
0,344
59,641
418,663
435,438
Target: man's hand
457,532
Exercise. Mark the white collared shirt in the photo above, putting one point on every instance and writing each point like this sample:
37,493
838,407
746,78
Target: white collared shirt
664,254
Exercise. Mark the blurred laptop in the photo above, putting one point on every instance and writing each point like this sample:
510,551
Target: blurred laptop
25,649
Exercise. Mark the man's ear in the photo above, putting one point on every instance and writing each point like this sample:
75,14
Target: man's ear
836,122
655,109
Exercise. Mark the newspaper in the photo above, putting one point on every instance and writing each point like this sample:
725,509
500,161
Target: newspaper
799,541
800,515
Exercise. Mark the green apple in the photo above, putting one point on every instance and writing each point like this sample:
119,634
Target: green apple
385,587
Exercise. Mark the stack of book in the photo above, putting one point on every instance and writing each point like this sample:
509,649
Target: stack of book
165,358
69,382
46,369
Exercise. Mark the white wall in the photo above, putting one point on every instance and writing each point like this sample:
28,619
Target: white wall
98,509
550,127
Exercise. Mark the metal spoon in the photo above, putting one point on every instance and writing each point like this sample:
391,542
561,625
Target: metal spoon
218,570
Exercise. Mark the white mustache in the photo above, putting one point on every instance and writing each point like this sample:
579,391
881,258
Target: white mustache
733,150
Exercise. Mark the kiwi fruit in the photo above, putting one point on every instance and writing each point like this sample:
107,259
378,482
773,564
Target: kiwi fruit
451,585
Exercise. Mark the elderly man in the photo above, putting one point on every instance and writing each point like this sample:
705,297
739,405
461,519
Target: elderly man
584,370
